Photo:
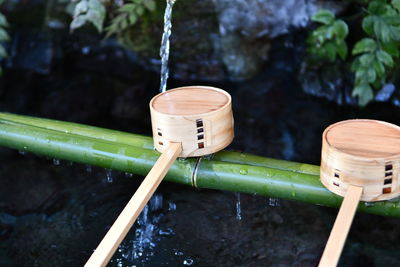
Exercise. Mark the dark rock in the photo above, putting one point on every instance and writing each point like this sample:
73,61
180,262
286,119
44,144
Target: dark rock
216,40
29,189
31,50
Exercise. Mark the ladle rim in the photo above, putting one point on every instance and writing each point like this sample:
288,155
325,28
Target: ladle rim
228,103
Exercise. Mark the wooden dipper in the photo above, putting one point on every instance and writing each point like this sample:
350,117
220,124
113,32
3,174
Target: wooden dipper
188,121
359,161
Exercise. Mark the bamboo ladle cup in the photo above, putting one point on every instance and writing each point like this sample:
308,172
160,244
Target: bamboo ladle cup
186,122
359,161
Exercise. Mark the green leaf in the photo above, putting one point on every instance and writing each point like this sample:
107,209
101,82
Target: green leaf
367,59
81,8
341,48
377,7
150,5
371,74
137,1
368,24
132,18
391,48
322,33
124,24
364,93
96,18
385,58
379,68
323,16
329,32
392,20
364,45
4,37
362,75
77,22
140,10
395,33
330,51
341,29
382,30
127,8
396,4
3,52
97,6
356,64
3,21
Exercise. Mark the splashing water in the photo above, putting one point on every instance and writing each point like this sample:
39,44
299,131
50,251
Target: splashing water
238,207
148,232
109,176
274,202
188,261
164,49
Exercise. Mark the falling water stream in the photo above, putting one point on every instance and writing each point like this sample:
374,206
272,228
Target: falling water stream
148,233
164,49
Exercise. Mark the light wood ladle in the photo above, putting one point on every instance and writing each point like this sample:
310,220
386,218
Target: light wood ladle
186,122
359,161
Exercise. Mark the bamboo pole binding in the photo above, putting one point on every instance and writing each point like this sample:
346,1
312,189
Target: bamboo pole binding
186,122
359,161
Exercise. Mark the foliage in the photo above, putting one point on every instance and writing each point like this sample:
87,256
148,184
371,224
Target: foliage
329,39
129,14
92,11
374,56
4,37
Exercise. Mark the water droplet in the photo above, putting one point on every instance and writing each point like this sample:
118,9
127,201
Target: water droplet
182,159
109,176
88,168
188,261
242,155
171,206
369,204
156,202
243,171
128,174
274,202
178,253
86,50
166,232
238,207
293,194
56,162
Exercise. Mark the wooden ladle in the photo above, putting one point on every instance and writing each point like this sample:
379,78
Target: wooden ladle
186,122
359,161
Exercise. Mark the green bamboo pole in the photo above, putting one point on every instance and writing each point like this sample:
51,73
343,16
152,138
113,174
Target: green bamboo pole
211,173
147,142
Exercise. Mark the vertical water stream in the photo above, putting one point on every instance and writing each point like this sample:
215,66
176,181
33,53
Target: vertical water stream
147,232
164,49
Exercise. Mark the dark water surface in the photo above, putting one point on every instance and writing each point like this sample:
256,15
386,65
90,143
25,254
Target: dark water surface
55,213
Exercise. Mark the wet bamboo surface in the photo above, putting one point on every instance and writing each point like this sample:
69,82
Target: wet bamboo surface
226,170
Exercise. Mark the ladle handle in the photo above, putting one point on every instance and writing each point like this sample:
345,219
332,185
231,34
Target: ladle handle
341,228
103,253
